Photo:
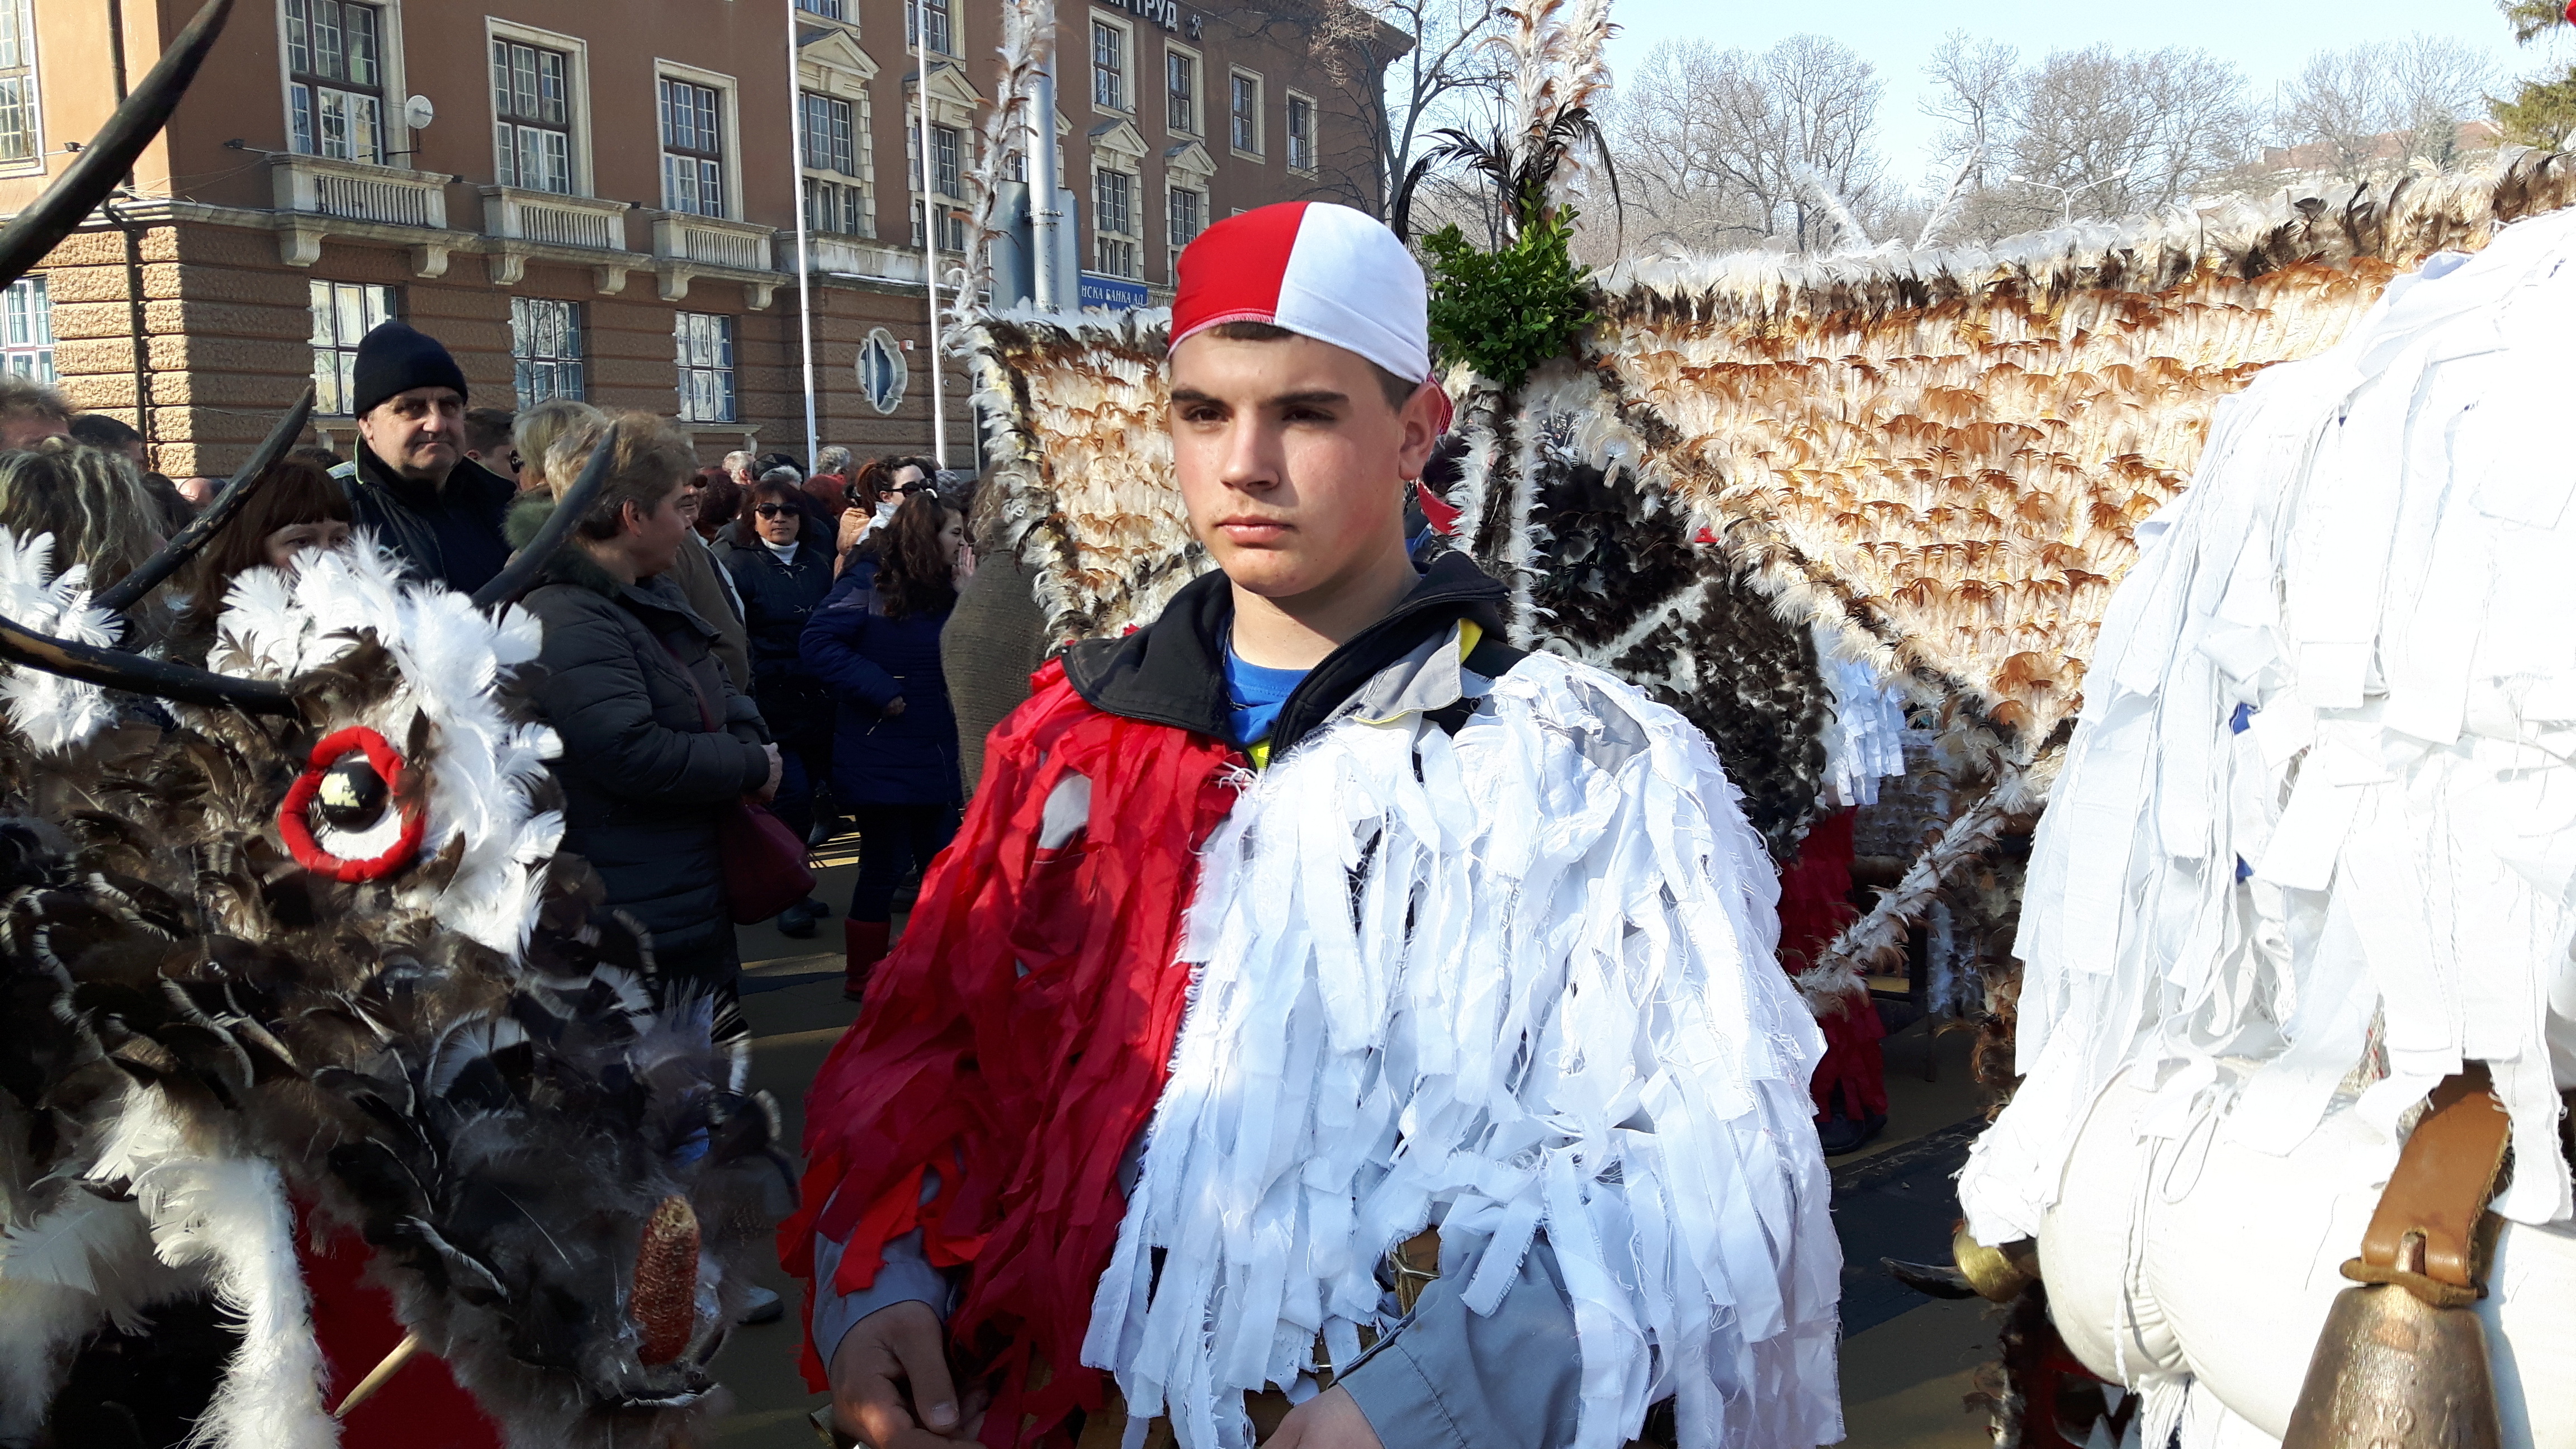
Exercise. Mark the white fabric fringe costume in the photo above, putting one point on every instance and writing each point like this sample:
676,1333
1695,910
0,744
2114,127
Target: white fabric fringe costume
2314,848
1516,983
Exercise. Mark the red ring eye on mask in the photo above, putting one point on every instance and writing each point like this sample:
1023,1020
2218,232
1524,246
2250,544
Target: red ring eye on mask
345,798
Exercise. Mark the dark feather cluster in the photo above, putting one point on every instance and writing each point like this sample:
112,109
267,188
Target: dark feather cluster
1610,553
498,1131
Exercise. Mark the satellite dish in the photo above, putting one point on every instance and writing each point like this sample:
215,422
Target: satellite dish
418,113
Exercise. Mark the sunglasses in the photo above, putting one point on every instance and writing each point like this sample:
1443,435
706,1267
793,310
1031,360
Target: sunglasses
775,510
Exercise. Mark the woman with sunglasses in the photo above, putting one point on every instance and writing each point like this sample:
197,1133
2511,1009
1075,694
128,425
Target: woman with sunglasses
781,575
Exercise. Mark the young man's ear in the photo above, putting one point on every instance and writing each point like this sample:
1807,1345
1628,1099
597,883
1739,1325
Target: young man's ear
1422,416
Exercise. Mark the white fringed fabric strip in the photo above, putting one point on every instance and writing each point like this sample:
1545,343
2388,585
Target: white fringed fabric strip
2372,565
1865,742
1529,990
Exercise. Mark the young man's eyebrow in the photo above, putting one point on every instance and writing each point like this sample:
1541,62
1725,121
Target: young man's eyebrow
1317,397
1193,395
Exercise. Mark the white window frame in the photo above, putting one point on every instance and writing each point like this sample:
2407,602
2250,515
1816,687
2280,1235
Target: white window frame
34,101
732,369
1198,90
572,366
1130,237
729,123
912,38
1126,34
819,74
343,351
1314,131
584,178
1174,186
397,86
27,330
848,8
1260,118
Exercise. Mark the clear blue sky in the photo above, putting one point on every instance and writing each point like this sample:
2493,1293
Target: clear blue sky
2268,39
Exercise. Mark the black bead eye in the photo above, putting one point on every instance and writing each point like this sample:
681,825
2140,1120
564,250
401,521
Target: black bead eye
352,796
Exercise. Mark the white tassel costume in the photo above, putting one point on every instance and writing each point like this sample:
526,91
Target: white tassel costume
1516,983
2313,849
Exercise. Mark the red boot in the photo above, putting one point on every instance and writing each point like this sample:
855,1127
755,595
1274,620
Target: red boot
865,945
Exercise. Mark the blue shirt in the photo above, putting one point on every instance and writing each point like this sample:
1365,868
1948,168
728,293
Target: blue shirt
1257,693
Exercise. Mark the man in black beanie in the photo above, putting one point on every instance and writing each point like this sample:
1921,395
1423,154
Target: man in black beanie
413,485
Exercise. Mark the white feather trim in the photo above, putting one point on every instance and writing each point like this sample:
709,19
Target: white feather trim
54,713
229,1216
483,766
1526,992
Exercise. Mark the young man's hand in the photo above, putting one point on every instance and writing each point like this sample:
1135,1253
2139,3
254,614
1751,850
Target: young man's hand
893,709
777,772
1330,1420
891,1385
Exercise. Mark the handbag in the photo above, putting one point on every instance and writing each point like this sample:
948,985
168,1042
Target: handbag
763,861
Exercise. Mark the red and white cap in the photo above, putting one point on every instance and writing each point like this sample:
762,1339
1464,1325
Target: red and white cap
1318,270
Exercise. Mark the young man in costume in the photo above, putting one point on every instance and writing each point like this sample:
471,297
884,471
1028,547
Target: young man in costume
1305,943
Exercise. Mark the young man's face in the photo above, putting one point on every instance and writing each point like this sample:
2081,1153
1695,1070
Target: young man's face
1291,463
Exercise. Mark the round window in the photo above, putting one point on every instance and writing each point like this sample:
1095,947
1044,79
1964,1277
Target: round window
882,370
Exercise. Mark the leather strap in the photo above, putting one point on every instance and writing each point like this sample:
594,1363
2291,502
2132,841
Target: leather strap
2431,1233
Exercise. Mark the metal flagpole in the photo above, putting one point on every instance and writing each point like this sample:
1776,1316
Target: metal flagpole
930,238
804,263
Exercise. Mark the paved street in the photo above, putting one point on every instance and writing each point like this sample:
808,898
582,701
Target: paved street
1907,1360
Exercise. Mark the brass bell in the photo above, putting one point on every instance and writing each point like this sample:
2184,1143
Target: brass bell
2393,1372
2402,1362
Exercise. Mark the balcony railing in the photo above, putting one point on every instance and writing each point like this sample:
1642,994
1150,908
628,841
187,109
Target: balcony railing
850,256
554,220
359,191
709,241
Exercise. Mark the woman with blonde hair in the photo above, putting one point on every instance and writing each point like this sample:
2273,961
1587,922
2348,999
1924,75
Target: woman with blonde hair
94,504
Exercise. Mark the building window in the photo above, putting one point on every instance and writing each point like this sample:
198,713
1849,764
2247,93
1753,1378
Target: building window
27,330
943,38
1301,133
21,134
1246,113
828,9
1108,66
1189,216
947,168
545,348
335,72
532,117
1181,92
343,313
706,367
1114,222
693,179
832,145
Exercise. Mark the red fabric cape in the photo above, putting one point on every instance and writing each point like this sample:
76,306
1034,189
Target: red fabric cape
1016,1040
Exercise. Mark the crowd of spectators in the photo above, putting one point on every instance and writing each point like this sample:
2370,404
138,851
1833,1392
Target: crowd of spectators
747,633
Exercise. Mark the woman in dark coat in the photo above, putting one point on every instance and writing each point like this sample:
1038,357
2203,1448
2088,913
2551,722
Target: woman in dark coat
875,643
657,746
781,574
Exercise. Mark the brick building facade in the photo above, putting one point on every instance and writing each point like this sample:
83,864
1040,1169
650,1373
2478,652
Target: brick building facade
600,199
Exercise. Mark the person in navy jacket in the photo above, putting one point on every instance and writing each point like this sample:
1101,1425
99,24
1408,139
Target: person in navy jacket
875,645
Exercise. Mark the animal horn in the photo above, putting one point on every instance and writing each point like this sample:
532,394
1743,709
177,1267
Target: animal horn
137,674
23,243
521,572
126,592
104,163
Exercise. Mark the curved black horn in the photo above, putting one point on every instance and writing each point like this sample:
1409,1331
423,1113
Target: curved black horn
110,154
135,674
127,591
520,574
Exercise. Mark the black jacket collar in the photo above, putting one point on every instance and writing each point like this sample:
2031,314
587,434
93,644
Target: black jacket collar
1172,671
468,481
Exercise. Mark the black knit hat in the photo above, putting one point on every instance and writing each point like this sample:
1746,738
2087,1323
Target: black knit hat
395,359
